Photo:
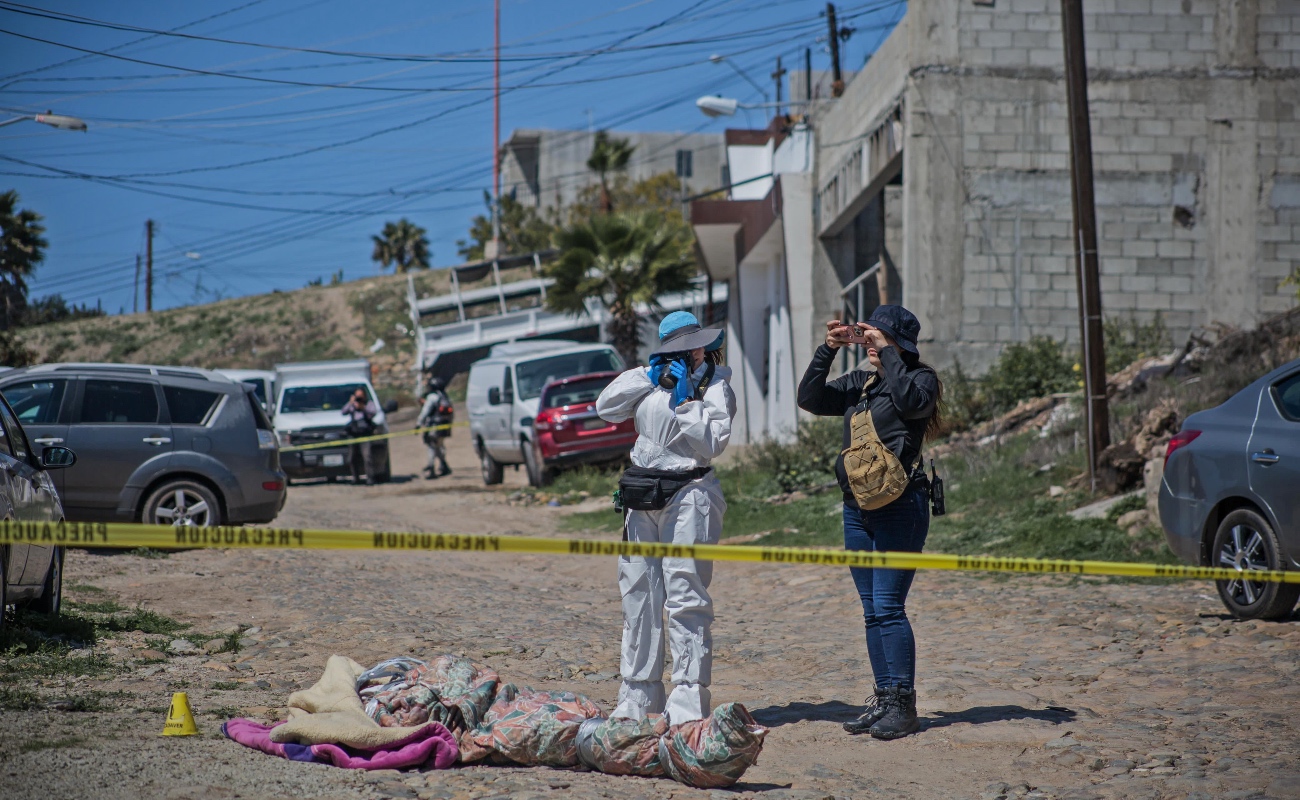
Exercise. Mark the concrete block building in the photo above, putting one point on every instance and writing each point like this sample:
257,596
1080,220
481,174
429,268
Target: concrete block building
548,168
940,179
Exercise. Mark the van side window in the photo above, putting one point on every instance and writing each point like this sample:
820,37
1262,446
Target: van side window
36,402
190,406
120,402
508,387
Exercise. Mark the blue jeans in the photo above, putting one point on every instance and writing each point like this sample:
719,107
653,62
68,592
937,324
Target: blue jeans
900,526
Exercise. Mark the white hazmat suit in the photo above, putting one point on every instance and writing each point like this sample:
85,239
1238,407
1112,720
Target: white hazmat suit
679,439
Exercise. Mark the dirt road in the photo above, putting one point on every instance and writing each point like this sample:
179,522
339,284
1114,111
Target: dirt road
1030,687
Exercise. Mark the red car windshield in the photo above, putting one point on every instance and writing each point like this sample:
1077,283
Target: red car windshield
574,392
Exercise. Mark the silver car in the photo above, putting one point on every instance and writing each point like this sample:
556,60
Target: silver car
162,445
32,572
1231,492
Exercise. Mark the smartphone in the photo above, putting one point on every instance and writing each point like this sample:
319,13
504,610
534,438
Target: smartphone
857,334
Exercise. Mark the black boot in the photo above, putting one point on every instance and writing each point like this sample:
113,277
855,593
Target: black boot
900,718
876,707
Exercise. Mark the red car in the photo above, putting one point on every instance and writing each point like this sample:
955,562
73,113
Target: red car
568,430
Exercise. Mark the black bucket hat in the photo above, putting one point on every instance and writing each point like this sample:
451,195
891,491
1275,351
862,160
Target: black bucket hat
898,324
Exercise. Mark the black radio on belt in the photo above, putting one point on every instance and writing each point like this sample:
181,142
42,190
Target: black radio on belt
936,493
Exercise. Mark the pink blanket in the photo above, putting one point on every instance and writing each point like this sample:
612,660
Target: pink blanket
432,746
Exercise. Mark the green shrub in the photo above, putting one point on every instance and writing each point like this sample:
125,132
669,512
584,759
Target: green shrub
1127,340
806,462
1027,370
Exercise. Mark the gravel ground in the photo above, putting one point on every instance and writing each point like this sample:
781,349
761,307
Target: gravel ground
1029,686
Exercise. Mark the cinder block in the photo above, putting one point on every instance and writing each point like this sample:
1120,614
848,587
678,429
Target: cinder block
1064,283
1190,301
1172,248
1154,301
1011,57
1137,283
1034,39
993,39
1137,248
1151,59
1009,22
1155,162
1174,284
1154,127
1044,57
1119,301
1117,265
1154,266
1133,41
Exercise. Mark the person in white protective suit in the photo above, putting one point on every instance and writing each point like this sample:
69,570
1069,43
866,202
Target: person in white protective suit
682,430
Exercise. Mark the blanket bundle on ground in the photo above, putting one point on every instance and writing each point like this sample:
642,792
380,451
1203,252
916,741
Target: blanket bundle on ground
435,713
327,724
708,753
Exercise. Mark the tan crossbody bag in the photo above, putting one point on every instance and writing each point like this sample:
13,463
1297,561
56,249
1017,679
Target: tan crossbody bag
876,476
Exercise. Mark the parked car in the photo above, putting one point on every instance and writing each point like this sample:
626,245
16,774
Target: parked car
1230,498
29,573
570,432
503,397
162,445
309,410
262,381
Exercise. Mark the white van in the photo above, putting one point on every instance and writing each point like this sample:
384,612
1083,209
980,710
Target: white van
503,393
309,410
262,381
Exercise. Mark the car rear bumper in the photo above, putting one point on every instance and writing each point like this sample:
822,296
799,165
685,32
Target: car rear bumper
1183,520
594,455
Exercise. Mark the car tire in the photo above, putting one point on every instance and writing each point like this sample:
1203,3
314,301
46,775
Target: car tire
51,599
1246,541
535,465
492,471
199,505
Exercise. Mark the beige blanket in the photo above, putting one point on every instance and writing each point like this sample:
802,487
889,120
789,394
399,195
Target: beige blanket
330,712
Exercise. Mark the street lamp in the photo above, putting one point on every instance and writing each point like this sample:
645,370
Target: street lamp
60,121
717,59
717,106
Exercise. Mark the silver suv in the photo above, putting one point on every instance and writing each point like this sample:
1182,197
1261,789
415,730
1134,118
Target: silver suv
162,445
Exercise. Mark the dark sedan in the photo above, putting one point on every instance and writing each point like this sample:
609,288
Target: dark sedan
1230,496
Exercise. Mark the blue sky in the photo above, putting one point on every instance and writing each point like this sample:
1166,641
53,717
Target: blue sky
328,117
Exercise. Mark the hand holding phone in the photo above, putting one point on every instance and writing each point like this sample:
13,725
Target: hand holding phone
856,334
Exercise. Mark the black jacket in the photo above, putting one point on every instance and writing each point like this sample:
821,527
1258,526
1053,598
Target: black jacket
901,403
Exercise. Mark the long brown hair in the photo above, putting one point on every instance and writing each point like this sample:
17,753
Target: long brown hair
934,426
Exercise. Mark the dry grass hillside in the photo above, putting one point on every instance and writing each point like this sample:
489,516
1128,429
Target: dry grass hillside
256,332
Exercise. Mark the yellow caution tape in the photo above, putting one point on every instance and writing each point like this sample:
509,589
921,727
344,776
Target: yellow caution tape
127,535
345,442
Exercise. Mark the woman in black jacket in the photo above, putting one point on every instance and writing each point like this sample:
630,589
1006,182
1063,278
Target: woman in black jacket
903,396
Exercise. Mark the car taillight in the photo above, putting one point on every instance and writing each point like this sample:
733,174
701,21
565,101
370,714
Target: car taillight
265,439
542,423
1181,439
272,486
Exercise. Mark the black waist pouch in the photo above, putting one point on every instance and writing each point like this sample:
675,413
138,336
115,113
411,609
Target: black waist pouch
650,489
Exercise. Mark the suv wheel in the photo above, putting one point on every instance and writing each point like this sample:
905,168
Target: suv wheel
492,472
535,465
1245,541
51,599
182,503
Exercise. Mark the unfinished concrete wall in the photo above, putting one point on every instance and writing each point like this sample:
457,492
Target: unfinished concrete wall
1195,129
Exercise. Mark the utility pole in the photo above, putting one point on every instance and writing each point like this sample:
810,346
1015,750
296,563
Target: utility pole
837,82
1085,236
777,76
496,132
807,76
148,266
135,293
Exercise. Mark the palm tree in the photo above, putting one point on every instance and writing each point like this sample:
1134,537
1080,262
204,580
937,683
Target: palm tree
608,155
624,260
402,243
21,248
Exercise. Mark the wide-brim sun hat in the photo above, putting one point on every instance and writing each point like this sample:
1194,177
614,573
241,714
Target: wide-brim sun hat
898,324
680,331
